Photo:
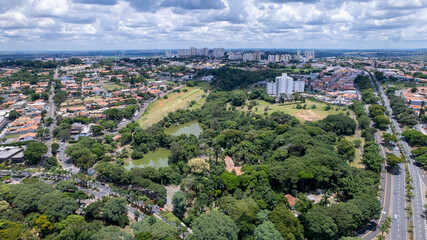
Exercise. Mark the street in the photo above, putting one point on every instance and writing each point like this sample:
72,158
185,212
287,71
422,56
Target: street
418,176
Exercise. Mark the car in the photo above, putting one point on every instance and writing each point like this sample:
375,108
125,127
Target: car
395,217
395,191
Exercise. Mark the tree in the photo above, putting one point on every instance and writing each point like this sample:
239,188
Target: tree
215,226
320,226
66,186
346,148
415,138
197,165
114,211
385,227
243,212
381,121
286,223
340,123
393,160
387,138
55,147
34,152
42,225
10,230
155,228
111,233
266,231
56,206
376,110
238,98
364,121
97,130
179,204
42,133
14,115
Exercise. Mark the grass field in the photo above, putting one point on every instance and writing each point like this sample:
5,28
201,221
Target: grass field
13,135
160,108
94,98
308,114
198,104
112,86
357,157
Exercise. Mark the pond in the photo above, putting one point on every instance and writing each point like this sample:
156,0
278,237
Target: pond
192,127
156,159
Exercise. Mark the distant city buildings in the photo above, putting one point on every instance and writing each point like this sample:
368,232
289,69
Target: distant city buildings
191,52
284,85
309,55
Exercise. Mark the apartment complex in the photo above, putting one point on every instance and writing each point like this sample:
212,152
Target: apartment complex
284,85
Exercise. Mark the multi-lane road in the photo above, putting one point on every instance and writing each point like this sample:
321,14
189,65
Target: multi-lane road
419,182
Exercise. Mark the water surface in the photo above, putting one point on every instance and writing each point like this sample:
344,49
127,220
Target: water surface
192,127
156,159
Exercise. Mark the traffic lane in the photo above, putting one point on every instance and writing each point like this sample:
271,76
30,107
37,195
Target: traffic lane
417,208
398,211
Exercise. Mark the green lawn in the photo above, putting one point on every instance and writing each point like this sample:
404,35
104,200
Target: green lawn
112,86
13,135
160,108
311,113
198,104
357,156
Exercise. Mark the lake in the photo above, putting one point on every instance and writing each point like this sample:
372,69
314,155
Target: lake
192,127
156,159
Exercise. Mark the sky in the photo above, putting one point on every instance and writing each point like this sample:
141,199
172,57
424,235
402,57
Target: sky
43,25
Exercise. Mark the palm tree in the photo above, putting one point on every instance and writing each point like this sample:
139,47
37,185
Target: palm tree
325,200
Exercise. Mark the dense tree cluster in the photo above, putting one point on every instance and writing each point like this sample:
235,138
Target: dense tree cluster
362,117
87,151
377,113
420,155
279,155
228,78
404,114
138,178
118,114
415,138
37,210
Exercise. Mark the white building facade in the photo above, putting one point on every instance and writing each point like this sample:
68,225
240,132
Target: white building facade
284,85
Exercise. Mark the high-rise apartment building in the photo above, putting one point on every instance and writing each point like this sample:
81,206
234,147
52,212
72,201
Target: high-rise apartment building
284,85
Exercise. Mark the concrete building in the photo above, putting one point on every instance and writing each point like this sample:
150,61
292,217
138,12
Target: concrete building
284,85
16,155
299,86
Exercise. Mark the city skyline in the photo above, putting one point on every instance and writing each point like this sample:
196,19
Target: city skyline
41,25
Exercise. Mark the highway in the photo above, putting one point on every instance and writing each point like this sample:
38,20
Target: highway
398,227
418,176
372,230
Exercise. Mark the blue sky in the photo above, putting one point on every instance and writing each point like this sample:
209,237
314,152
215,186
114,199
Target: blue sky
41,25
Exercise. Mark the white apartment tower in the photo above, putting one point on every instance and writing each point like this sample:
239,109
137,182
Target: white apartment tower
299,86
283,85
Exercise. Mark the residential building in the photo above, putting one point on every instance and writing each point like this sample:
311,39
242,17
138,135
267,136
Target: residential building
284,85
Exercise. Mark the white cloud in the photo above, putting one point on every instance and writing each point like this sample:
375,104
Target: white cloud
121,24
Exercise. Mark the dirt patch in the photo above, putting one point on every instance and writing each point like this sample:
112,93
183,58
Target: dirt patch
171,190
309,115
229,166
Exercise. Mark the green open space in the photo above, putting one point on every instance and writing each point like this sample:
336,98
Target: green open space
310,113
112,86
160,108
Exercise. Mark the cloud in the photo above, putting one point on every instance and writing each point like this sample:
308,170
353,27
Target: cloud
121,24
99,2
194,4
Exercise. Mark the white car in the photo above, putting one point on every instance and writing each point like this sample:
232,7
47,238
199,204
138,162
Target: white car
395,217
